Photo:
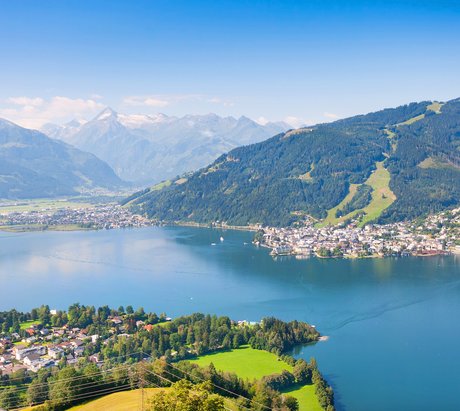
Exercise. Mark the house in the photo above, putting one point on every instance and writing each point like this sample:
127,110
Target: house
77,343
78,352
71,359
31,358
6,358
41,363
30,331
55,352
21,353
95,358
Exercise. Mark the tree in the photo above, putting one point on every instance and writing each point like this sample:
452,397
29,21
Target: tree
185,396
44,314
34,314
291,403
129,309
262,399
37,392
9,398
302,372
64,390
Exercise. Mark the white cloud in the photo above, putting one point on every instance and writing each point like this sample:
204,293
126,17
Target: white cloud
217,100
297,122
158,100
331,116
149,101
33,112
26,101
262,121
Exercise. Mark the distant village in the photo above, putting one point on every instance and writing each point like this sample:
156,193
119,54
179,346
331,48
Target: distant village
96,217
435,235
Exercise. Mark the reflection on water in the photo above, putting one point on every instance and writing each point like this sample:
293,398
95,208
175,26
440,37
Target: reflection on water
386,318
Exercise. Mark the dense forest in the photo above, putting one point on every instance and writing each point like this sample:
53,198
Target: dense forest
309,171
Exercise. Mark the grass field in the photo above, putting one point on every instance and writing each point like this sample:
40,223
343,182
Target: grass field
391,136
435,106
254,364
306,397
21,228
161,185
411,120
331,218
246,362
8,206
307,176
126,401
437,164
119,401
382,198
27,324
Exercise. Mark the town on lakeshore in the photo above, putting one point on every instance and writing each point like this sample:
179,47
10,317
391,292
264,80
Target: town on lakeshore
95,217
438,234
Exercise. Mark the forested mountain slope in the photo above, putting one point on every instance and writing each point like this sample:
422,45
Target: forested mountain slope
33,165
407,157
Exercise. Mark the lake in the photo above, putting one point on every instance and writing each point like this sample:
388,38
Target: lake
392,323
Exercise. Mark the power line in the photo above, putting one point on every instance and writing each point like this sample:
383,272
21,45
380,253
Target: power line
48,383
151,372
89,385
105,390
88,395
105,361
221,388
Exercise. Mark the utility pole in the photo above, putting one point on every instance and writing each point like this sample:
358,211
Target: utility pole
142,383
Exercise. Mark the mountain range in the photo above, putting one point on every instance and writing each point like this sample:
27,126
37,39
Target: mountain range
33,165
391,165
147,149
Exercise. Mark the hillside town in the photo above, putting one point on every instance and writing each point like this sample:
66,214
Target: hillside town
437,234
96,217
35,347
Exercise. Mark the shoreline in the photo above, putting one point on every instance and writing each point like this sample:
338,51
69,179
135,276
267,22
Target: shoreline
211,226
75,227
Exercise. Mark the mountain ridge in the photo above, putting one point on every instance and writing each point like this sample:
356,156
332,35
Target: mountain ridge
33,165
309,171
149,148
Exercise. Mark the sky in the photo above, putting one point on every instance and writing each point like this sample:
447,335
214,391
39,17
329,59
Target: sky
303,62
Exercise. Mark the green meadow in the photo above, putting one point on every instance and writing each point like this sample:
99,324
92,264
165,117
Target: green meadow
253,364
382,198
246,362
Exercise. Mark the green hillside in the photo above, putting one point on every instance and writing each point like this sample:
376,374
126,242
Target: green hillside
315,171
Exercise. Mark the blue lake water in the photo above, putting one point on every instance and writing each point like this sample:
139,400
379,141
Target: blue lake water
393,324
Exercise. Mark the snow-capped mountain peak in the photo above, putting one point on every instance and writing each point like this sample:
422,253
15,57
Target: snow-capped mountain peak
106,114
149,148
